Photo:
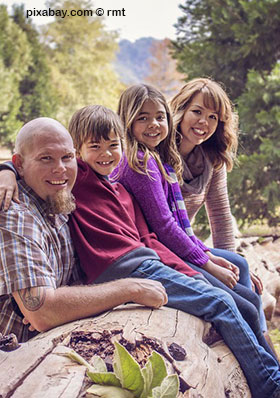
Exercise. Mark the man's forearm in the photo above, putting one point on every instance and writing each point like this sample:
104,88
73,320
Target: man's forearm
46,308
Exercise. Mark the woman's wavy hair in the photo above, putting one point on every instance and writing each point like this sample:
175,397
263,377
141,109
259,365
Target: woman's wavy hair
130,104
221,147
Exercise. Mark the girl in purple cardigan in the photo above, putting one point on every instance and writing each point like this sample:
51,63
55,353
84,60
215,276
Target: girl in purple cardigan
152,172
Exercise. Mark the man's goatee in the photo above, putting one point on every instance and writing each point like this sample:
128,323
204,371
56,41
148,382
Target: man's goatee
63,202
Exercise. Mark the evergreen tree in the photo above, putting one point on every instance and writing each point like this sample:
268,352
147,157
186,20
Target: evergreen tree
225,39
258,174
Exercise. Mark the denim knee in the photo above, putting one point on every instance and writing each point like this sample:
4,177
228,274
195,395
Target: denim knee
239,261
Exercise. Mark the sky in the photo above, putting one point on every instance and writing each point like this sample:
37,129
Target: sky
135,19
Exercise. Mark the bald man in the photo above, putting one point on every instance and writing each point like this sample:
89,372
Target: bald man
37,262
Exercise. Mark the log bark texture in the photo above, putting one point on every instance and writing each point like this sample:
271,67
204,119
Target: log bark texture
190,346
207,369
263,256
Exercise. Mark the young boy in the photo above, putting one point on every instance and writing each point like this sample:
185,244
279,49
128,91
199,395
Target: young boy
106,213
113,241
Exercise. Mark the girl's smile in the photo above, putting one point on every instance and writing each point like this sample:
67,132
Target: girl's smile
150,126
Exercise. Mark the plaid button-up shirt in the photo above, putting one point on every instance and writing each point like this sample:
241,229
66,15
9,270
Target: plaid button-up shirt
35,250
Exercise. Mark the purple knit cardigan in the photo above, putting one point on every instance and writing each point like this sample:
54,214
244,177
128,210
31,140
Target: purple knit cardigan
153,196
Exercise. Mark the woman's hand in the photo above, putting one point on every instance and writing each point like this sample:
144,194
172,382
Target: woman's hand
8,189
257,284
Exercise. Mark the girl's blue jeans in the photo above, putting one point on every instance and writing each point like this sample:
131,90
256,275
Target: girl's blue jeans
244,277
214,305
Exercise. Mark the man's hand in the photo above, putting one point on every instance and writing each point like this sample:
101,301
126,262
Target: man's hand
8,189
25,321
147,292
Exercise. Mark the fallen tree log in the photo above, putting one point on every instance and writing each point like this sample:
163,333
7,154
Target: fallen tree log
262,254
190,347
263,257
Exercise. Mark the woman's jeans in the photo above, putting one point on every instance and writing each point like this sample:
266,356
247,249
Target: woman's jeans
214,305
244,277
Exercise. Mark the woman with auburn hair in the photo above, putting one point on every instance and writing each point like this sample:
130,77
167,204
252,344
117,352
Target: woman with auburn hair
207,139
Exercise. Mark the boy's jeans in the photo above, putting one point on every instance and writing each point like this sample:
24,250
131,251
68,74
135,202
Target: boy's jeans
214,305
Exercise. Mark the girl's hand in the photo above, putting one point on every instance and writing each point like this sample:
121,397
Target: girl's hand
8,189
256,283
222,262
225,275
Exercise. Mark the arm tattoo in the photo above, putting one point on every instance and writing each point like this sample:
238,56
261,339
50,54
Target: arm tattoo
33,297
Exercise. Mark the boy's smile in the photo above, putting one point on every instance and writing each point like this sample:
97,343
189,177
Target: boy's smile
103,156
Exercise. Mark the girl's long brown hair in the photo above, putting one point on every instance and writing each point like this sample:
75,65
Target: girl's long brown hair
130,104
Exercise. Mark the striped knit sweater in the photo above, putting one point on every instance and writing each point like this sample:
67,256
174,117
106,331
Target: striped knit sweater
210,189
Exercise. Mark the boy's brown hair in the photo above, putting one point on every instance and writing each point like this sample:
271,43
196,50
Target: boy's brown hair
94,122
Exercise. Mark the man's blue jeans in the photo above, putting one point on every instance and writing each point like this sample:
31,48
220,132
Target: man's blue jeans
214,305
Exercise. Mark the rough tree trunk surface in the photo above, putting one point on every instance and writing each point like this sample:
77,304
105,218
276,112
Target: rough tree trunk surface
263,256
206,367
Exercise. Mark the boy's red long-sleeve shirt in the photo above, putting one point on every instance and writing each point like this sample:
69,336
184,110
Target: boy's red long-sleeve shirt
108,225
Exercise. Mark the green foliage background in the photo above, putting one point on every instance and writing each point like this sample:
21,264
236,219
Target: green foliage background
55,70
68,63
